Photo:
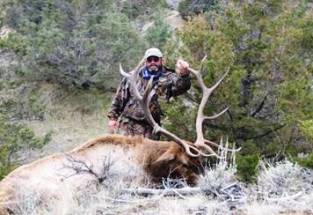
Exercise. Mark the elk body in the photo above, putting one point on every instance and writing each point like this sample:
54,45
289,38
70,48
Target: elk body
132,159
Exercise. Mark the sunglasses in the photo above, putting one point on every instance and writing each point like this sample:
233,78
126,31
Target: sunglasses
153,58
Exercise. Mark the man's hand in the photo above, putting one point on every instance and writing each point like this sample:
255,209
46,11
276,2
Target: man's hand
112,126
182,67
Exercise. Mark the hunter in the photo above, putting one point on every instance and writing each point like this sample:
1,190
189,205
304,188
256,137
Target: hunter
126,115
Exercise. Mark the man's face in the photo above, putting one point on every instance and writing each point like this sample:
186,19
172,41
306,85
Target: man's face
153,63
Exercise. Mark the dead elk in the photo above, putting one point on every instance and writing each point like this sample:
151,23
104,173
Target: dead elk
131,158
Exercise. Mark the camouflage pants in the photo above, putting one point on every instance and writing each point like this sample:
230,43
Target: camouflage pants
132,127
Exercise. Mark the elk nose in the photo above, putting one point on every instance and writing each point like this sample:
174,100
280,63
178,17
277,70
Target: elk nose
198,169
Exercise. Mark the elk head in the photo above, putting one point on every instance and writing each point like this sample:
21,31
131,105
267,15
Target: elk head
169,160
201,147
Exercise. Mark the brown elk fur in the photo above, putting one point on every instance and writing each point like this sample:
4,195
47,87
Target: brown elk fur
156,159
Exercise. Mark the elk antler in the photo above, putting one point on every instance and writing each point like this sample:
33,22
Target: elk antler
144,101
201,142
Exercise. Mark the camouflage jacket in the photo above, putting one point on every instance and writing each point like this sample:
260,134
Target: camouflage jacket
124,103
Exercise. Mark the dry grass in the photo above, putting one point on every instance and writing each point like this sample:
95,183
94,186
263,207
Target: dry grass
72,118
226,196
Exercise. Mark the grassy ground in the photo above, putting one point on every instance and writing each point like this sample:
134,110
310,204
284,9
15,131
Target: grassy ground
72,118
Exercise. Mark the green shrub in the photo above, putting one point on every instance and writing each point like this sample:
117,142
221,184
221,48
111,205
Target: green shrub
13,138
269,84
249,148
159,34
188,8
305,161
306,127
135,8
55,44
247,167
28,107
14,42
184,118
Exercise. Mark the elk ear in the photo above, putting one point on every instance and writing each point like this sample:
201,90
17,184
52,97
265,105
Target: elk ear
165,157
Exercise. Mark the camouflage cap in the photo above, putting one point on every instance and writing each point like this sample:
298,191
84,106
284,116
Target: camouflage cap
153,52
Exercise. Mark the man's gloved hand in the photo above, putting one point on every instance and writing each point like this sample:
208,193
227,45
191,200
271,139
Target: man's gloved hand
182,67
112,126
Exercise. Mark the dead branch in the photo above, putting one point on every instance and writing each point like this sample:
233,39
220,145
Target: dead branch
166,192
230,193
81,167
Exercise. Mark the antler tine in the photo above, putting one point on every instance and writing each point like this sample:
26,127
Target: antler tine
200,142
144,101
132,80
216,115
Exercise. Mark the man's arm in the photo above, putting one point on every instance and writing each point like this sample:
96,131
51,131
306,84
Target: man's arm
180,84
180,81
118,103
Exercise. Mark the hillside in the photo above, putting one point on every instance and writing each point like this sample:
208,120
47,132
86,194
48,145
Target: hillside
59,70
